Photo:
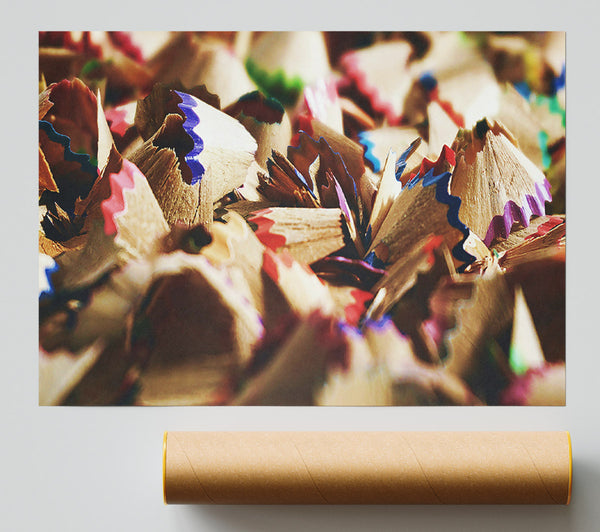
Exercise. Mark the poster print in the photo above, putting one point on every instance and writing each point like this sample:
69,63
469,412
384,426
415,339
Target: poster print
301,218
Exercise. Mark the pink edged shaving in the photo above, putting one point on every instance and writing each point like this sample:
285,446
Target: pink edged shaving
115,204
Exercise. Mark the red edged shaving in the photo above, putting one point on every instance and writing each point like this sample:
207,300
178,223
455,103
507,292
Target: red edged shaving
433,242
544,228
351,65
354,311
455,116
263,231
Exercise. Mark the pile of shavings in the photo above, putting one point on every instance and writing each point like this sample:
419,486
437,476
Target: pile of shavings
302,218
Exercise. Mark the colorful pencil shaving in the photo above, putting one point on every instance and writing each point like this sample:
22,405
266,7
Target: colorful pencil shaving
380,223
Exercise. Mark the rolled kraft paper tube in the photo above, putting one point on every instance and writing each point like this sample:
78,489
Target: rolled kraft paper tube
367,467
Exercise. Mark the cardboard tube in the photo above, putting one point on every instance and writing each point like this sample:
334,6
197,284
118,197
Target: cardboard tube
367,467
